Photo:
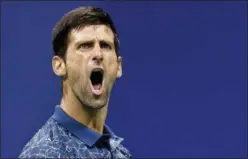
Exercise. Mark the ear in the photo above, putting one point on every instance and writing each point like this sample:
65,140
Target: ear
119,67
58,66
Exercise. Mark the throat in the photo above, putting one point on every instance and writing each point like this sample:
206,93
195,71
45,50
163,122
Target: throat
94,119
96,126
74,107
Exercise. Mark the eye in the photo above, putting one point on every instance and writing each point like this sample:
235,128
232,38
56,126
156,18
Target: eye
105,45
86,46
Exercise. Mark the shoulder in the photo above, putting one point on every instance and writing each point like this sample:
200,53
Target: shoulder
46,143
122,148
42,150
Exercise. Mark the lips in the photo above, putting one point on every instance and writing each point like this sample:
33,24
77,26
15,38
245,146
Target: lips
96,80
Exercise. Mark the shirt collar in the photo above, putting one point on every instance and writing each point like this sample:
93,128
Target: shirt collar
85,134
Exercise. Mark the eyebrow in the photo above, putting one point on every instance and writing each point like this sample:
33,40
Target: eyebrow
93,40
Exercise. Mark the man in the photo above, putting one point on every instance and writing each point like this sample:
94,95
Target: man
85,45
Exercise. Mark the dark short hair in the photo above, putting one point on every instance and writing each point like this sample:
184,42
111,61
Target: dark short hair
77,19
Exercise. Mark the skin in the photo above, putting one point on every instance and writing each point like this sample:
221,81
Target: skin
88,48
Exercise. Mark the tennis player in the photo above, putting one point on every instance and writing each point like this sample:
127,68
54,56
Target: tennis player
86,57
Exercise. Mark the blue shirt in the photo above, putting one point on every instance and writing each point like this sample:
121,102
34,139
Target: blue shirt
64,137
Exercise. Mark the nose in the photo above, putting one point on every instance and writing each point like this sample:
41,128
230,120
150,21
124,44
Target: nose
98,55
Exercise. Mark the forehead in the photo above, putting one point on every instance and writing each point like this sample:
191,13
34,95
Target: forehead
91,32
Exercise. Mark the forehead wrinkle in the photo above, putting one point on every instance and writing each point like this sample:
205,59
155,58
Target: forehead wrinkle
106,29
87,34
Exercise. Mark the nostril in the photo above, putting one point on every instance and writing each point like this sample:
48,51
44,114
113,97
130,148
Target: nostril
98,58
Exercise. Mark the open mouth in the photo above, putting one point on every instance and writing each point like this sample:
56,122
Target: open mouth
96,79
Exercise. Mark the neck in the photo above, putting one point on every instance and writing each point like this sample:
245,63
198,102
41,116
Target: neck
92,118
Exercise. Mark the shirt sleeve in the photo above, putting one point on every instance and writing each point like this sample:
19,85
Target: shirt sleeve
42,151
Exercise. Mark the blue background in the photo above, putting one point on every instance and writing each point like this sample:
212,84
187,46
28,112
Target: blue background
183,90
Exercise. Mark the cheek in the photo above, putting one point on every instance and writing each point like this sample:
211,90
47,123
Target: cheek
111,63
75,69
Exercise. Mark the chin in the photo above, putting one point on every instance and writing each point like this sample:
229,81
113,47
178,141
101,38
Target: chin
96,104
89,100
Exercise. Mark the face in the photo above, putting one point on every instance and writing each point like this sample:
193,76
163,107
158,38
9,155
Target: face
91,65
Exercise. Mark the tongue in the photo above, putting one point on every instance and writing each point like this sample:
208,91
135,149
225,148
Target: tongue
97,86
